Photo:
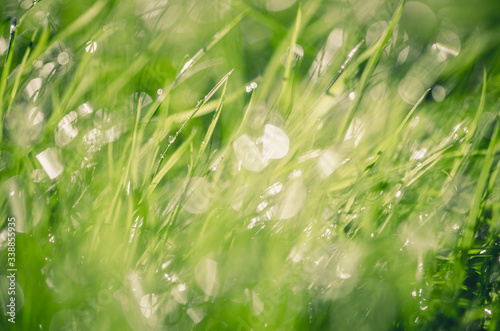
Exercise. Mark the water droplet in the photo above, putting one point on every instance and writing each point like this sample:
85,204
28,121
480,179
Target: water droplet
238,197
328,162
47,70
294,199
25,124
180,294
50,162
273,190
149,304
63,58
205,274
3,45
113,133
66,131
275,142
355,132
91,46
34,87
141,97
94,140
447,45
438,93
326,54
196,314
418,154
247,152
257,304
85,109
410,89
298,53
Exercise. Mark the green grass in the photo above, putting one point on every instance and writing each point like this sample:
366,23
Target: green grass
174,166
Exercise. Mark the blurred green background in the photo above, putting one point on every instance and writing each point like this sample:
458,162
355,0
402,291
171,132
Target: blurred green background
344,175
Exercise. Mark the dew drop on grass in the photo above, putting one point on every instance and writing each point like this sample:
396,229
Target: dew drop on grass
196,314
294,199
66,131
180,294
410,89
94,140
273,190
328,162
25,124
326,54
298,53
3,45
447,45
248,154
149,304
275,142
50,162
205,274
91,46
63,58
113,133
85,109
102,118
139,97
47,70
438,93
34,87
403,55
355,132
418,154
257,304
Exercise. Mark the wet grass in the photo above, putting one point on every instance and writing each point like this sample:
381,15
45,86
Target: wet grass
173,165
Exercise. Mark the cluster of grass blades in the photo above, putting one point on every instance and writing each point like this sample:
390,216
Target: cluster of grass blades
251,165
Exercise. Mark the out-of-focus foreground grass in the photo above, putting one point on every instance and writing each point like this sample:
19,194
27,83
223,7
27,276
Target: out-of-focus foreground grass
237,165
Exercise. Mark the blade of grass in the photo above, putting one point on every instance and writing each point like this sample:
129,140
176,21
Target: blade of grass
286,92
480,190
174,158
368,71
201,103
190,63
275,62
461,161
213,123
